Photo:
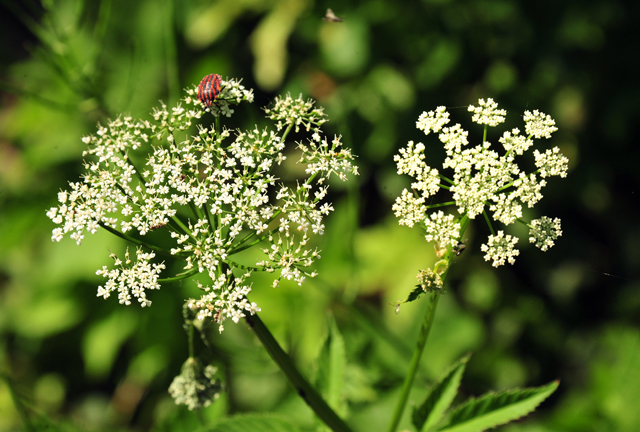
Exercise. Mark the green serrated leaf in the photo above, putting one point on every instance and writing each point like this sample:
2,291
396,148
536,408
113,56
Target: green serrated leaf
494,409
414,295
430,412
254,423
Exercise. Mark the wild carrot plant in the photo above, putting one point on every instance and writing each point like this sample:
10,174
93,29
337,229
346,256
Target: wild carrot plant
213,193
487,183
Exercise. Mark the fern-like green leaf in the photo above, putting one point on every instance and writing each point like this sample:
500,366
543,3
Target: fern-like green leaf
494,409
254,423
430,412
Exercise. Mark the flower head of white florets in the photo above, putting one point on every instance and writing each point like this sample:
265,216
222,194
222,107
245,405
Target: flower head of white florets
232,92
411,161
225,298
514,142
551,163
487,113
486,179
433,121
131,279
297,113
442,229
430,281
409,208
500,248
538,124
544,232
323,158
223,179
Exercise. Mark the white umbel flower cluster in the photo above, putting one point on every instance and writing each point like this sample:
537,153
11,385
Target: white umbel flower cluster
130,279
210,192
500,248
544,232
485,181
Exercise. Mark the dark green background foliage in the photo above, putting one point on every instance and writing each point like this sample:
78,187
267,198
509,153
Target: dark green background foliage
569,314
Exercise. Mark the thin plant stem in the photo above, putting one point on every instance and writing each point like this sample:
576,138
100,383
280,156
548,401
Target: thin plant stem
486,218
415,360
134,240
191,349
302,386
179,276
427,322
444,204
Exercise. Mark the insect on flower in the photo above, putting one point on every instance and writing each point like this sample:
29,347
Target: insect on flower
209,89
331,17
459,248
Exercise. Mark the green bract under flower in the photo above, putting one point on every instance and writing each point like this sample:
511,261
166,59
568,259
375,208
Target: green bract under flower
484,181
212,191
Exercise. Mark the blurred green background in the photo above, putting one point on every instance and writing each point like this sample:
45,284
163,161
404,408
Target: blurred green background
82,363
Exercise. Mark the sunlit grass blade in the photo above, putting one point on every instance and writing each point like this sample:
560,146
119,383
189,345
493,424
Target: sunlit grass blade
331,369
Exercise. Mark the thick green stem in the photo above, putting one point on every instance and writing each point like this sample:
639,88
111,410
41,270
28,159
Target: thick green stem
415,360
302,386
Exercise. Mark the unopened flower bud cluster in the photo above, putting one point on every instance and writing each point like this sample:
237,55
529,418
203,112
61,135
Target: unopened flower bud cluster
486,180
196,386
211,192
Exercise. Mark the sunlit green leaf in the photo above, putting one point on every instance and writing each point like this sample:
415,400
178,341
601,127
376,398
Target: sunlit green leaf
254,423
494,409
430,412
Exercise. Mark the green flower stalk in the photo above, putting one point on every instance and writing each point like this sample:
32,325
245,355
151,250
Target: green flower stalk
484,182
212,193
